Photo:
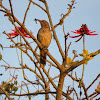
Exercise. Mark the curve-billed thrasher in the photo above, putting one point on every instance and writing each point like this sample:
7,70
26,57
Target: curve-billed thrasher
44,36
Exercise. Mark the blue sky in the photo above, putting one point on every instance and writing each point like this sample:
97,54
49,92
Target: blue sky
85,12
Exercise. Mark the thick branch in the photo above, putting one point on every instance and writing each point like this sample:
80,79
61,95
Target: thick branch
54,32
81,62
60,86
51,81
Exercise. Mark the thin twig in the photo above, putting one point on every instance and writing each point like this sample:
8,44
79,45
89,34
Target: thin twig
35,93
26,11
55,77
38,5
68,49
87,97
95,93
5,92
54,32
3,11
32,71
11,9
7,67
76,94
5,62
93,82
64,16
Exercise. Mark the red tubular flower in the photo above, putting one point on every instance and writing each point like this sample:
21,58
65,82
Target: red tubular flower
16,33
82,31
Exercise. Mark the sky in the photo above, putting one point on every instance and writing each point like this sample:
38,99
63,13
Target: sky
85,12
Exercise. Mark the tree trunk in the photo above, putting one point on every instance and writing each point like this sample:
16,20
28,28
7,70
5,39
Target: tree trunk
46,96
47,89
60,86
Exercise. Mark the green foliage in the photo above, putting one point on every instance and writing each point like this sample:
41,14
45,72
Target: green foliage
10,87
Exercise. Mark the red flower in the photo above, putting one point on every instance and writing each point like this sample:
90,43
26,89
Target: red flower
16,33
82,31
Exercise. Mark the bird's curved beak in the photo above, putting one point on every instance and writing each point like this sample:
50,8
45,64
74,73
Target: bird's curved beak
37,20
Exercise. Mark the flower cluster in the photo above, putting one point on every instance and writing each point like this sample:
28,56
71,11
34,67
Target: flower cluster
16,33
82,31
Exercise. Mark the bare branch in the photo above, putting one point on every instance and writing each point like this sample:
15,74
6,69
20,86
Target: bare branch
54,32
38,5
5,93
11,8
93,82
81,62
26,11
85,92
64,16
35,93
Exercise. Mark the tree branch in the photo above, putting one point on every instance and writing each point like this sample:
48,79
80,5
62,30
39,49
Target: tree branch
26,11
5,93
54,32
11,8
64,16
38,6
93,82
35,93
81,62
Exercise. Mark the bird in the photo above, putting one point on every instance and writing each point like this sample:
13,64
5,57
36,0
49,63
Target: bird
44,36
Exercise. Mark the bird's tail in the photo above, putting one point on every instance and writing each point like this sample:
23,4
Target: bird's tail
42,57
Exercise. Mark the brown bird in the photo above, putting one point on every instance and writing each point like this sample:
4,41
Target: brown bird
44,36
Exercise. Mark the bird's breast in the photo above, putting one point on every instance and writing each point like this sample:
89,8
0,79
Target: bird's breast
44,37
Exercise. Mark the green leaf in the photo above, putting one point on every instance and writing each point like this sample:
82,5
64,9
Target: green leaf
0,56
